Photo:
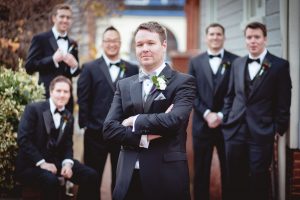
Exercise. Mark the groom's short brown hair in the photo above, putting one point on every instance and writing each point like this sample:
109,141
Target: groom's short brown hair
153,27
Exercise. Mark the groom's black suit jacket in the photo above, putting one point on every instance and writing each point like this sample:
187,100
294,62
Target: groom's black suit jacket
163,166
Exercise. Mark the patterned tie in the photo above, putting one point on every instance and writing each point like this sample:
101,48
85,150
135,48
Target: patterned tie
143,76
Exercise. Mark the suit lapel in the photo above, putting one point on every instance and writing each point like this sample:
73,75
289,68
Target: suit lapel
48,120
207,70
241,74
167,72
225,66
104,68
52,41
136,95
260,77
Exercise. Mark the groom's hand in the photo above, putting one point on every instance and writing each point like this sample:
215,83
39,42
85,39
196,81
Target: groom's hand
128,121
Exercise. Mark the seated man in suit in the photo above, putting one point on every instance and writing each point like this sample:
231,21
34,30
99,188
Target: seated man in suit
45,146
155,104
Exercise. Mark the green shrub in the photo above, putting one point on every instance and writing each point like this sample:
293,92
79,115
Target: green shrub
17,89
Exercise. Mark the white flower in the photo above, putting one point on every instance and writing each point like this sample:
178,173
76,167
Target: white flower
159,82
162,83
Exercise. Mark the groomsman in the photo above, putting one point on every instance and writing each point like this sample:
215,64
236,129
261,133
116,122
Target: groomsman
211,70
45,146
96,87
256,110
148,117
53,53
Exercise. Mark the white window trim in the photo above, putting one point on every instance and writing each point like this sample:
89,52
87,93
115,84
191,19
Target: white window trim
247,12
212,11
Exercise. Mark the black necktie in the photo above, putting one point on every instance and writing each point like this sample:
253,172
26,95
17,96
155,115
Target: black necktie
117,64
212,56
61,112
250,60
62,37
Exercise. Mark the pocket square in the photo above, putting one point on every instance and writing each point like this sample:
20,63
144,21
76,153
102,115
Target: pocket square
161,96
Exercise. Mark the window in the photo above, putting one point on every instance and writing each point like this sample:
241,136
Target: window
254,10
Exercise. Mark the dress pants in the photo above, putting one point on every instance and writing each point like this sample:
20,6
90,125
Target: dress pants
85,177
96,151
135,191
203,152
248,163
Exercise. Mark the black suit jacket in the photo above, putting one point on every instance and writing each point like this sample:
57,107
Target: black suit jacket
39,59
208,96
267,109
33,134
95,92
163,166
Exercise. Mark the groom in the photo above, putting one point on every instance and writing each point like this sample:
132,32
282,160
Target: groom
148,117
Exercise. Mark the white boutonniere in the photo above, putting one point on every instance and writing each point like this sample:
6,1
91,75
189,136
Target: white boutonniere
123,68
225,65
160,82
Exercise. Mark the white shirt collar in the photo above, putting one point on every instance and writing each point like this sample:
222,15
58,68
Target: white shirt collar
261,56
56,33
53,107
220,52
108,61
158,70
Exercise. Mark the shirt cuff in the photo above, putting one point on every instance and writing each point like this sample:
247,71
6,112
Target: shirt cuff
133,123
144,143
73,70
65,161
40,162
220,115
206,113
55,63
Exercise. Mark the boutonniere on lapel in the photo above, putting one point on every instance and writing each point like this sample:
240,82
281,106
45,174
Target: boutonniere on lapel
123,69
66,117
73,45
264,67
160,82
225,65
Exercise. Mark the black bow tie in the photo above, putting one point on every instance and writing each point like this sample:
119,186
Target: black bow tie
61,112
250,60
212,56
62,37
116,64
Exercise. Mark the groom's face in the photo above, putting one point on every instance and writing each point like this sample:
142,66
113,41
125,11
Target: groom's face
150,51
